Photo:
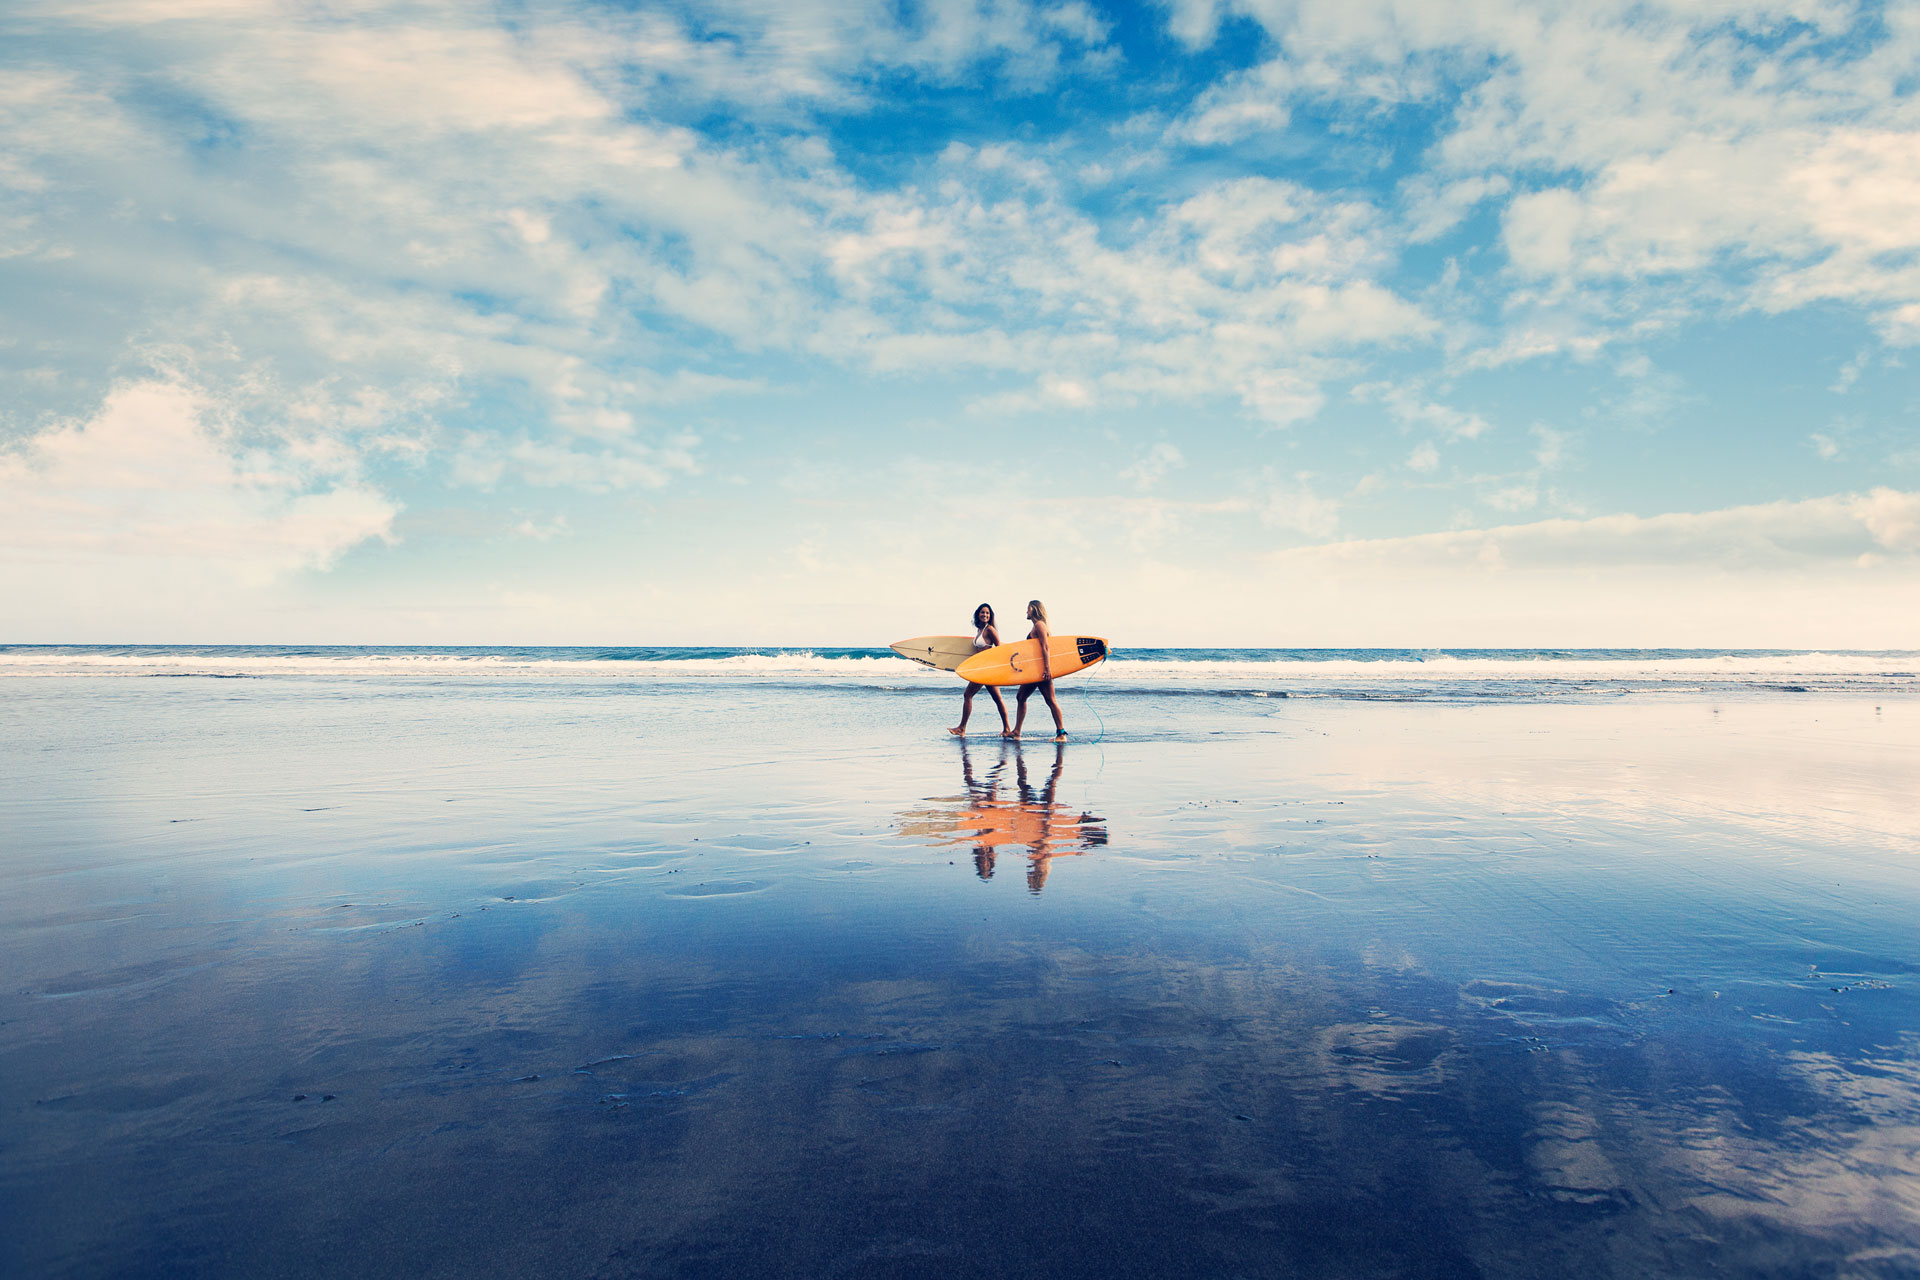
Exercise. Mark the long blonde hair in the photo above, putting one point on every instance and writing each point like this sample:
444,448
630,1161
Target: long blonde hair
1036,611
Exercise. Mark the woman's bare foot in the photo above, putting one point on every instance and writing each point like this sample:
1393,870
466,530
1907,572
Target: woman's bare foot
1060,736
958,731
1010,733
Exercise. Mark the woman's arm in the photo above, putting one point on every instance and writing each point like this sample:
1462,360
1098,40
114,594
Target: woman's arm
1043,634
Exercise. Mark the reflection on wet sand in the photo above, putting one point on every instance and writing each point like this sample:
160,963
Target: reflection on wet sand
985,819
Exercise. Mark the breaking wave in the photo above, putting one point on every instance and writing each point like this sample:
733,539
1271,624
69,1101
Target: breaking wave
1353,673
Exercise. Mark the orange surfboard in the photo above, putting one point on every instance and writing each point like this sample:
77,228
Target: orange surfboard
1019,663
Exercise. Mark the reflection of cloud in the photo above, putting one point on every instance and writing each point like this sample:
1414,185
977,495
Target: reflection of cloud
1844,1161
1569,1155
1386,1058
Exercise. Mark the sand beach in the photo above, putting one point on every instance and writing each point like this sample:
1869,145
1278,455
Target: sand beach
537,972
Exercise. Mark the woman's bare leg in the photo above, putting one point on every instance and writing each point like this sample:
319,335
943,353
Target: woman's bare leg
1020,711
966,710
1059,725
1000,705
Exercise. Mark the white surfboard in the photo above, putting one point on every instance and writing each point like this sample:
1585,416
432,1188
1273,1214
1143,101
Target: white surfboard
943,653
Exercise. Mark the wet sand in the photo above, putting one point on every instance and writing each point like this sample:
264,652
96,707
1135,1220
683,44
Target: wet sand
358,977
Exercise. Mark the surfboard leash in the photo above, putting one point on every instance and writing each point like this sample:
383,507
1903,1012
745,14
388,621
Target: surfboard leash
1087,698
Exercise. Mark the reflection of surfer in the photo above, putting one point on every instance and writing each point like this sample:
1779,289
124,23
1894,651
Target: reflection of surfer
983,819
1041,823
985,636
1077,831
983,797
1041,632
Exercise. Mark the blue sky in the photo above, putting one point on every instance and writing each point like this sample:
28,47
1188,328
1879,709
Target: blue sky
1475,323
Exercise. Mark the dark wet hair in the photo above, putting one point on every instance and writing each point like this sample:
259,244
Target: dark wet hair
976,613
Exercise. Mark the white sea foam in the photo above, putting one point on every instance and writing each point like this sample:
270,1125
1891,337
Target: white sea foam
739,666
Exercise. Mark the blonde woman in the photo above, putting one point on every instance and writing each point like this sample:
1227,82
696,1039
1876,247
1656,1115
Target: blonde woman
985,636
1037,614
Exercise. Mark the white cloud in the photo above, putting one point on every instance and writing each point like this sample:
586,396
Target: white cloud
155,475
1238,289
1411,409
1293,505
1900,326
1249,103
1814,532
1798,574
1152,466
1550,447
1227,121
1435,207
408,141
485,461
1281,399
1244,289
1850,373
426,201
1517,497
1705,161
1892,517
1541,228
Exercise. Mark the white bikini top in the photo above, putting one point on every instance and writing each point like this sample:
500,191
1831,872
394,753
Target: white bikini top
980,640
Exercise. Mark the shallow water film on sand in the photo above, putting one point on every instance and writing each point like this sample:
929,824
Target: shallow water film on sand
468,965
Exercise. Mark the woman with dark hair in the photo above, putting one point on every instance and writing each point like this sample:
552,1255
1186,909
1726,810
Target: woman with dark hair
985,636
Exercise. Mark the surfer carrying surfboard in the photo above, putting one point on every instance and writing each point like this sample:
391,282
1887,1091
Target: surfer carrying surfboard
1037,613
985,637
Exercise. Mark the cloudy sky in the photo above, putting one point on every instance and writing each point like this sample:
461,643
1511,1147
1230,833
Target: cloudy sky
1329,322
